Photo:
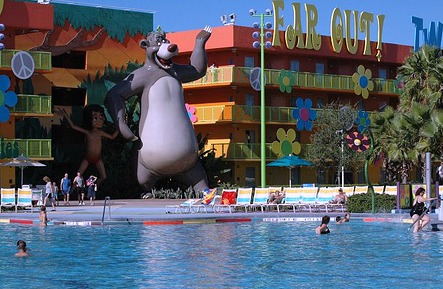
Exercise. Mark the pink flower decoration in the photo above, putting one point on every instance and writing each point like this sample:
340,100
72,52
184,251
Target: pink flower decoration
357,141
190,109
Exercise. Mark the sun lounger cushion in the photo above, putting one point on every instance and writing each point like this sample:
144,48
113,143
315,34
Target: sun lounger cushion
229,198
209,196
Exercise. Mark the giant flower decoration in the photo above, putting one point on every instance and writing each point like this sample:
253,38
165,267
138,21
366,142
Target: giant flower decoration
362,81
190,109
286,144
7,98
357,141
286,81
362,121
304,114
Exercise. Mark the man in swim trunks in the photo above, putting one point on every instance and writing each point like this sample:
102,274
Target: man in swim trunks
79,187
65,186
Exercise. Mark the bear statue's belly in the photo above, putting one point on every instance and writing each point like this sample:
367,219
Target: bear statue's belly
169,141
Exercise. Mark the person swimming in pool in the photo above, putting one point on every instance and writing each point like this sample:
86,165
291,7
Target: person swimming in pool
21,249
345,219
323,228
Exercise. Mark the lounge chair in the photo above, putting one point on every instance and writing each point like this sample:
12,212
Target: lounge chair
184,207
7,199
308,198
292,198
392,190
24,199
360,190
349,191
228,198
261,196
325,197
244,196
204,206
379,189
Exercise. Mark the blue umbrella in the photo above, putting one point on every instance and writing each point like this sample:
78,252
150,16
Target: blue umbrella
290,162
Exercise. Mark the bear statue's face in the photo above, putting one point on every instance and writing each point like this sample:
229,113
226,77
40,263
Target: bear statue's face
159,49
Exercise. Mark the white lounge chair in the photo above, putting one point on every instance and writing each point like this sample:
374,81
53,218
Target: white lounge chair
308,198
229,196
184,207
244,196
261,196
292,198
24,199
7,199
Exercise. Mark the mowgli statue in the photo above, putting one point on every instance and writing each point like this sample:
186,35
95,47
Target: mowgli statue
168,143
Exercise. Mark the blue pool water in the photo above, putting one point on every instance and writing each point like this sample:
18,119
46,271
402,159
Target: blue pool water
229,255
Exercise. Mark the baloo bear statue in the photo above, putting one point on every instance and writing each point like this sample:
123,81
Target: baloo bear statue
168,142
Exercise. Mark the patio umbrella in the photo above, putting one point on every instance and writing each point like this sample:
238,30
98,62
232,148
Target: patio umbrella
22,162
290,162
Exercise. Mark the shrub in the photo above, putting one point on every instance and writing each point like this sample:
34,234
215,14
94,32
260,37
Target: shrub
362,203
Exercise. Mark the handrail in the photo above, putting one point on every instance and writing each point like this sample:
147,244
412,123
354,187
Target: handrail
104,208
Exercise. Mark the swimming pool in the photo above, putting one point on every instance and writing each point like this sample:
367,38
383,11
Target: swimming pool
229,255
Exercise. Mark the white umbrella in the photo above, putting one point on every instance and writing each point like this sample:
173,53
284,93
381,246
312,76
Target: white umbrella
22,162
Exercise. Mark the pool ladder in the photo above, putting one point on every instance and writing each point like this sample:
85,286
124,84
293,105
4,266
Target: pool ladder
108,202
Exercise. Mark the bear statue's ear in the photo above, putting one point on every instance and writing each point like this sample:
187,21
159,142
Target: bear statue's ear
144,43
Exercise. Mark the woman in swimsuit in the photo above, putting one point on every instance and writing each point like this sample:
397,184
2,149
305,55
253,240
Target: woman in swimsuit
418,208
323,228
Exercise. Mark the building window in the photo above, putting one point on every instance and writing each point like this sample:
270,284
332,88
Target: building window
249,102
249,61
382,73
250,177
67,96
319,68
295,65
73,60
250,137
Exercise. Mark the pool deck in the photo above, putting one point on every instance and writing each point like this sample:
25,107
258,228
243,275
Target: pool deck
153,212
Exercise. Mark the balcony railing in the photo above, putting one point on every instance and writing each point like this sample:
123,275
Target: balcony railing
232,75
232,151
243,151
42,60
242,113
32,148
33,104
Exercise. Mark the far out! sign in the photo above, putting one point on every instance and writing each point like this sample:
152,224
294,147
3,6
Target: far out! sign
345,26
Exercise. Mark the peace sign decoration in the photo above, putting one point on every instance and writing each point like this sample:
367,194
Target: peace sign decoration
22,65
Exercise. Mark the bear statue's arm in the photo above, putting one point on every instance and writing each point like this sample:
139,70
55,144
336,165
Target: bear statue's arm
199,62
115,101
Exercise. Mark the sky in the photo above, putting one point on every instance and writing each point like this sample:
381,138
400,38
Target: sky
179,15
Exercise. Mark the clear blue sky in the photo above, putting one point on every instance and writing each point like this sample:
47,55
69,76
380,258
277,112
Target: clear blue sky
178,15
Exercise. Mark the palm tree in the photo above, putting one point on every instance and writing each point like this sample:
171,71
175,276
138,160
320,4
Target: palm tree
394,143
422,75
421,102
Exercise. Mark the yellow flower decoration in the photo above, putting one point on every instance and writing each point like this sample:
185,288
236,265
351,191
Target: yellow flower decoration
286,144
362,81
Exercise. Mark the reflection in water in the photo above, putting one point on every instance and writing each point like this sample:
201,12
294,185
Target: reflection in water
228,255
